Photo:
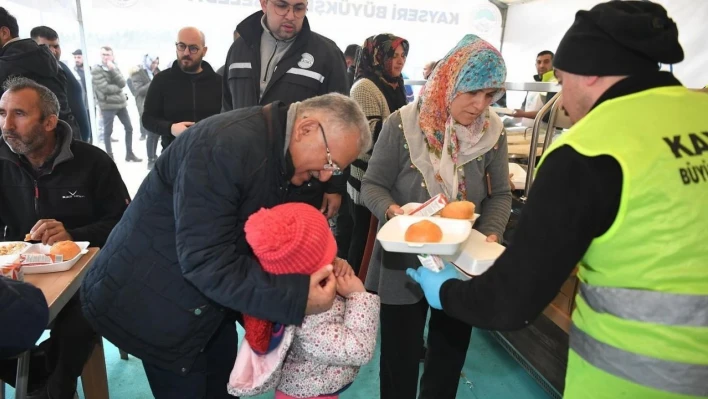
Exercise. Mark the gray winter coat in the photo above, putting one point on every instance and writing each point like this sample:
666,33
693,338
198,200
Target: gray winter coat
108,86
140,83
392,179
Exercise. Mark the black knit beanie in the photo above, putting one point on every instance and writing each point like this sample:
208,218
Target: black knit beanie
619,38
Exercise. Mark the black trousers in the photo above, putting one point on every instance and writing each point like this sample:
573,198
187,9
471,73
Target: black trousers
151,143
108,117
61,358
361,217
152,140
208,377
402,329
344,228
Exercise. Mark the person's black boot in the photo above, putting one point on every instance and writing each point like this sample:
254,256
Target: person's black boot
132,158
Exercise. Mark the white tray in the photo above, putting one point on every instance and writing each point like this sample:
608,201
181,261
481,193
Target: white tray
502,111
519,178
411,206
392,235
476,255
8,259
56,267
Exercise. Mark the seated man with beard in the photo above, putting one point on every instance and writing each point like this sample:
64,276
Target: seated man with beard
55,189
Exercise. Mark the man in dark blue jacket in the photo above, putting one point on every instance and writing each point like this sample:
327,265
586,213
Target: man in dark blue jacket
177,269
47,36
23,316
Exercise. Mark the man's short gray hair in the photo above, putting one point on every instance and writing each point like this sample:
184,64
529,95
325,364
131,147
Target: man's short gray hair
48,102
343,113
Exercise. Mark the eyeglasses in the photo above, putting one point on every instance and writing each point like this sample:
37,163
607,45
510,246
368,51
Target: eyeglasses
282,8
330,166
193,49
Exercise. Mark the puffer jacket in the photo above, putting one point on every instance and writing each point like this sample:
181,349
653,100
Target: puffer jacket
108,86
139,83
177,264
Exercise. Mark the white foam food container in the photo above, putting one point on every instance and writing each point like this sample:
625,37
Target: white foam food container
55,267
392,235
411,206
8,259
475,256
502,111
519,178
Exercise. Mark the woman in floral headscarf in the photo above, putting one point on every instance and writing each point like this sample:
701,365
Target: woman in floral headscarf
379,90
447,142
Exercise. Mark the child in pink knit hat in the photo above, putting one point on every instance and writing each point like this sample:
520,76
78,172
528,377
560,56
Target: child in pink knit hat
320,358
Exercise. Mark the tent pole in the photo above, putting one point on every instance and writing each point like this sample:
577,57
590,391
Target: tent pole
87,70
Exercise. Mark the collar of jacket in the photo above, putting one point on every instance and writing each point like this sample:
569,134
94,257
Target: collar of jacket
251,30
272,36
64,137
636,83
206,71
279,113
12,41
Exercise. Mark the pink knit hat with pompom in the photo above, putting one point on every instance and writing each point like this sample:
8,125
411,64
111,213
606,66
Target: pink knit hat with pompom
292,238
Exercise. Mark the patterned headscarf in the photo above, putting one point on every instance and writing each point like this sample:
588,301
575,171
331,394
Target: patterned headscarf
472,65
376,58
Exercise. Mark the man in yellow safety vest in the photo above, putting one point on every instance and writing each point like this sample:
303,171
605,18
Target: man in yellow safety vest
622,193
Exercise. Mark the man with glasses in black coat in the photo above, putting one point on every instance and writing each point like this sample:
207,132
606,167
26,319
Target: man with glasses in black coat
184,94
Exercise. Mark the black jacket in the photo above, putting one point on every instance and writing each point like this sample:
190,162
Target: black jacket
175,96
81,188
178,262
75,96
293,80
28,59
23,316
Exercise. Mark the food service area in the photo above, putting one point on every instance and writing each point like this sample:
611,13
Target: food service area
505,201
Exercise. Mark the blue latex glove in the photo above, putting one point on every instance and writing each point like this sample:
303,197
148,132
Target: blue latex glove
431,282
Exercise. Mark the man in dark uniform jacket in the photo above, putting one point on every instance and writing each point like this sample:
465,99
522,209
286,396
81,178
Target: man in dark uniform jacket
278,58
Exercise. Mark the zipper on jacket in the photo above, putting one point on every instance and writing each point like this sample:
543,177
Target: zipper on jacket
265,77
36,199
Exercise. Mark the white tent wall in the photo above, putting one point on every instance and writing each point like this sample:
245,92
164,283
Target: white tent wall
136,27
539,25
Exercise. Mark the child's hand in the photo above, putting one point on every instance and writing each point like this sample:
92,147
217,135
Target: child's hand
349,284
342,267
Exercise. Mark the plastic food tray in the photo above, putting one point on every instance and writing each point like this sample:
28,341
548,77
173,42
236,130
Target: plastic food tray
455,233
519,178
7,259
476,255
411,206
56,267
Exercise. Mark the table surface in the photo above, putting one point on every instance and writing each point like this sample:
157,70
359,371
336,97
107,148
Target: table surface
59,287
